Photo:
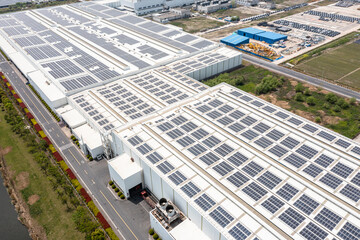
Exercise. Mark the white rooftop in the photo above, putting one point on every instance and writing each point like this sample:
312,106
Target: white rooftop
188,230
268,169
123,166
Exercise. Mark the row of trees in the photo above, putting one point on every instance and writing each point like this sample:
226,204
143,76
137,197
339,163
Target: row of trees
59,182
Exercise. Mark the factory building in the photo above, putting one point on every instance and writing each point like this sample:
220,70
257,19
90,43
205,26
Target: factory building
261,35
235,40
223,163
241,168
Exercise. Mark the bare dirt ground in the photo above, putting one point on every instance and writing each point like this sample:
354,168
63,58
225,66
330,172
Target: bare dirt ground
33,199
4,151
22,180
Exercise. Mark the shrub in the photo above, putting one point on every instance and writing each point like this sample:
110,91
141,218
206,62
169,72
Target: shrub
299,97
93,208
352,101
155,236
119,194
337,108
268,84
122,196
113,186
111,183
111,234
311,101
318,119
326,106
331,98
78,188
102,221
70,173
75,183
307,92
91,158
63,165
299,88
151,231
98,234
117,190
52,149
85,195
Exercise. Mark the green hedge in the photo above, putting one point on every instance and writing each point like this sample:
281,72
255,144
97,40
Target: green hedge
111,234
93,208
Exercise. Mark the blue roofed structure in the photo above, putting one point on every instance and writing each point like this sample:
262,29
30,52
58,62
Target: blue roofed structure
235,40
270,37
249,32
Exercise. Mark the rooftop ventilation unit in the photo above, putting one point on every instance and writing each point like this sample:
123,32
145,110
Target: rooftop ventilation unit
168,211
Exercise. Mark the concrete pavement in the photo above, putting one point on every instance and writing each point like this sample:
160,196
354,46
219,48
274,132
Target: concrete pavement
129,219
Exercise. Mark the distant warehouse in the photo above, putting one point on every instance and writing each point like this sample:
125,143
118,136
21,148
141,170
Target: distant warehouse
261,35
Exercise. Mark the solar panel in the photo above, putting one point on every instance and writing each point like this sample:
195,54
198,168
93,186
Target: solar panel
185,141
306,204
310,128
257,103
179,120
165,126
356,179
223,168
248,120
236,114
143,149
204,108
342,143
324,160
290,142
330,180
190,189
249,134
238,179
224,150
349,232
239,232
215,103
205,202
154,157
278,151
269,109
177,177
275,134
295,121
295,160
326,136
287,192
273,204
226,108
281,115
189,126
199,134
292,218
197,149
269,179
311,231
254,191
356,150
211,141
252,168
246,98
135,140
209,158
225,121
237,159
261,127
306,151
175,133
236,127
214,114
327,218
263,142
342,170
351,192
313,170
222,217
165,167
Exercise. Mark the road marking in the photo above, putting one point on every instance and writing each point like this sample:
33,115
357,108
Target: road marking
85,171
35,106
92,180
57,135
119,215
74,157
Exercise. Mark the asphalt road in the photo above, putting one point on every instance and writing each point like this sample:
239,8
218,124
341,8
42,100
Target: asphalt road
129,219
302,77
